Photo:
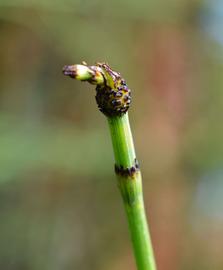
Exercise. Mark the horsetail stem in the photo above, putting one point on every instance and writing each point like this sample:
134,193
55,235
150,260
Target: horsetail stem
113,98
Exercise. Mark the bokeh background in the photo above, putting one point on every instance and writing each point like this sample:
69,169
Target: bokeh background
60,207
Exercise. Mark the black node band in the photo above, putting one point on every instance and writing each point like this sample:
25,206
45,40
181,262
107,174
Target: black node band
129,171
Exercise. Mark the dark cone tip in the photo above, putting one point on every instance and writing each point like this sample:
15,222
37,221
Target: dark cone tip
69,71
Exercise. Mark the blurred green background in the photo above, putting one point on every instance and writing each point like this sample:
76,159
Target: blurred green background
60,207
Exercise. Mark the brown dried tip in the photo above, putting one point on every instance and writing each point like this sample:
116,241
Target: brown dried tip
69,71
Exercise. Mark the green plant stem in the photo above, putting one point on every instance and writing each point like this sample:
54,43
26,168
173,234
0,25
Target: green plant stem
131,191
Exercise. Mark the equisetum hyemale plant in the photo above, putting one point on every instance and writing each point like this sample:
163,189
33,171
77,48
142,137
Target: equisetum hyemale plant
113,98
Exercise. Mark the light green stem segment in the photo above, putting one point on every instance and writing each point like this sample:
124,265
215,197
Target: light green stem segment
122,140
131,190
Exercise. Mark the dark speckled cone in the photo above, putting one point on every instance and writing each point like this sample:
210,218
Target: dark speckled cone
112,94
114,97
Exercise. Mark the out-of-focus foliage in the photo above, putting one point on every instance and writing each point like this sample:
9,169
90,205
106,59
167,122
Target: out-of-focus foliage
60,207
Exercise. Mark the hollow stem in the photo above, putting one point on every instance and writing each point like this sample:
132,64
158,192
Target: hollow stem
130,185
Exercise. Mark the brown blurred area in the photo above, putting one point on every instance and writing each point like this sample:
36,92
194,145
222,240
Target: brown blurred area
60,207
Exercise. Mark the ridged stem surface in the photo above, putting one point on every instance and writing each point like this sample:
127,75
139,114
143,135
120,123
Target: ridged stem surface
130,186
